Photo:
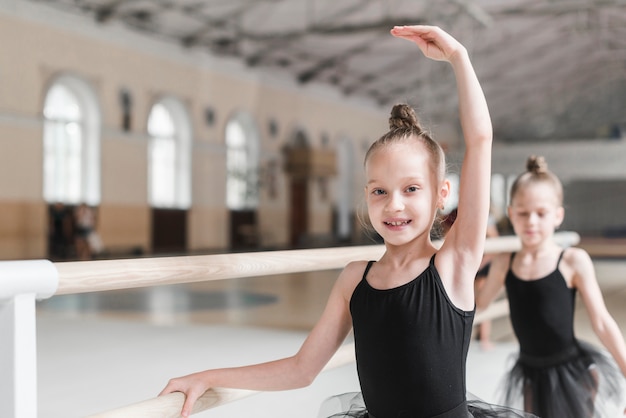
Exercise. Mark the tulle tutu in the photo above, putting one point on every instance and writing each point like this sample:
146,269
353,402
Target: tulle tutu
351,405
581,383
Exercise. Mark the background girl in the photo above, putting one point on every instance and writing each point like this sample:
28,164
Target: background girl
556,375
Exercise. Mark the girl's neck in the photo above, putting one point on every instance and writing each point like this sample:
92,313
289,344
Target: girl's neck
398,256
537,251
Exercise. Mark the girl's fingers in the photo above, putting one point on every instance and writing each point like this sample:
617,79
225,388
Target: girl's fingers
426,32
190,400
166,390
169,388
434,42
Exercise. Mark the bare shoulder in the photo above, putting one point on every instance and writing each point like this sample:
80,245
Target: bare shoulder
577,266
350,276
577,258
354,268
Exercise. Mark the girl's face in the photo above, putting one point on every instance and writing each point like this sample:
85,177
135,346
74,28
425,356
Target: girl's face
535,213
402,192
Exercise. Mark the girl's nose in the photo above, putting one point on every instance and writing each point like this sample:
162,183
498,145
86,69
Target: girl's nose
395,202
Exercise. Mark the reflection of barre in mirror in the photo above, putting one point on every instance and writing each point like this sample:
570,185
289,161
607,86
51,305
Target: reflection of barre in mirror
23,282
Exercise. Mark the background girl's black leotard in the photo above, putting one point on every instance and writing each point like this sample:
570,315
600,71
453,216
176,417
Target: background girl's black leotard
542,313
411,346
556,375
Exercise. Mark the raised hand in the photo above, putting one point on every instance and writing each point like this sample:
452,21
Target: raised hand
434,42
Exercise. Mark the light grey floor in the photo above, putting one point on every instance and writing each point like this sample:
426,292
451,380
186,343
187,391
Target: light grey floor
95,355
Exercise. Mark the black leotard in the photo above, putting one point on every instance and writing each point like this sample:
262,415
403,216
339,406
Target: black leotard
542,313
411,347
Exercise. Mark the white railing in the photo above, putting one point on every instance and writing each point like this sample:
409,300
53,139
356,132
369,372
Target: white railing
24,282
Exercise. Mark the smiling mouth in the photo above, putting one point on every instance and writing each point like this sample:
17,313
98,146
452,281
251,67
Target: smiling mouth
397,223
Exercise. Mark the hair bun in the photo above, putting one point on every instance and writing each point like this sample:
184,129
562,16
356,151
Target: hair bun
403,116
536,164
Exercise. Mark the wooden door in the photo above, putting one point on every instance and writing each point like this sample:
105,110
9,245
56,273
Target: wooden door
169,231
243,230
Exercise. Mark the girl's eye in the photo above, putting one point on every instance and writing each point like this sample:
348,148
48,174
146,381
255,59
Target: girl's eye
412,189
378,192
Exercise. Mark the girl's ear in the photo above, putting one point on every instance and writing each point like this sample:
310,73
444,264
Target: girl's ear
560,215
444,193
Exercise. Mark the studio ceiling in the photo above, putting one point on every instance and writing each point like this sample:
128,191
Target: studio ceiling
551,69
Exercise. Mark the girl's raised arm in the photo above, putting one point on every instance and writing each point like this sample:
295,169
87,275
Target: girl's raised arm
464,244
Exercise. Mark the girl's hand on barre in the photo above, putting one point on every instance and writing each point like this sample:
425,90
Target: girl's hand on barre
193,386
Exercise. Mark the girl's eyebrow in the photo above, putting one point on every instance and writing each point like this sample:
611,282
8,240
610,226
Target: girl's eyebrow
404,179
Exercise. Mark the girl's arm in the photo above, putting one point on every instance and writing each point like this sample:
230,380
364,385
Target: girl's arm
292,372
602,322
492,232
495,281
463,248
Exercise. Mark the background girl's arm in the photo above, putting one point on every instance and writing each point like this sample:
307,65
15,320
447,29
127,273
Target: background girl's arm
495,281
602,322
292,372
463,248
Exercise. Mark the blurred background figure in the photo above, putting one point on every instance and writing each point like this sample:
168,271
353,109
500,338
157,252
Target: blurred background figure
59,231
85,225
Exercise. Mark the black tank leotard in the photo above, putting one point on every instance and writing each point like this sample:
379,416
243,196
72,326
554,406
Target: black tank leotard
411,345
542,313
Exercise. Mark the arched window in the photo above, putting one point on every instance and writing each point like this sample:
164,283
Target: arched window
71,137
242,162
169,155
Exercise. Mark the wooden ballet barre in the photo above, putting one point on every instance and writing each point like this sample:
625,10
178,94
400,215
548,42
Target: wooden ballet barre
103,275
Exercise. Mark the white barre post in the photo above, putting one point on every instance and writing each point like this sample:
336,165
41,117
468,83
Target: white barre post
21,283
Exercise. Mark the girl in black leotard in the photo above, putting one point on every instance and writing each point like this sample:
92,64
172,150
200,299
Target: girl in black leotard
556,375
411,310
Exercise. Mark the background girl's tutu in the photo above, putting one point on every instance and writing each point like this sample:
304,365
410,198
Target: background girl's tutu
583,383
